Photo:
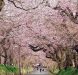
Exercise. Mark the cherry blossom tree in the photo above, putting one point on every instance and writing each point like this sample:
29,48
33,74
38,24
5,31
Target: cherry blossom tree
41,29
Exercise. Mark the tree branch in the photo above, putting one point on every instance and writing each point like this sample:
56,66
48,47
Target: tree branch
23,8
68,12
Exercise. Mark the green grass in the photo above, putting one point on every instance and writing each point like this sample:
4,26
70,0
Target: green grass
28,70
13,69
9,70
51,69
76,73
54,71
4,70
62,72
68,71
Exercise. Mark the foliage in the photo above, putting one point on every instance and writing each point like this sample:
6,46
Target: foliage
68,71
4,70
12,69
76,73
62,72
54,71
51,69
29,69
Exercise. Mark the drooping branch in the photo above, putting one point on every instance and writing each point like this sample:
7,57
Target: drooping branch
2,56
68,12
12,1
37,48
49,54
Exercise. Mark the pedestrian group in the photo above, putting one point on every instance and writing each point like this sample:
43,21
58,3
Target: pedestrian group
41,70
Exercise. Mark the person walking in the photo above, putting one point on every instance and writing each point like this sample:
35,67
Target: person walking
40,69
37,68
43,70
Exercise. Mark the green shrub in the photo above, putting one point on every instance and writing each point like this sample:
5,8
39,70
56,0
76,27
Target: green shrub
51,69
28,70
4,70
9,70
69,68
55,72
3,67
13,69
62,72
68,71
76,73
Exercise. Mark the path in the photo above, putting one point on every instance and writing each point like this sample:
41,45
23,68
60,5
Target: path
40,73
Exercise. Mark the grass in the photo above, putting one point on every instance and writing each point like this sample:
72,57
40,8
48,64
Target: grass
29,69
76,73
13,69
54,71
68,71
4,70
9,70
51,69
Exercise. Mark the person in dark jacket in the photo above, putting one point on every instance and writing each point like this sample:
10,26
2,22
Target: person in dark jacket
40,69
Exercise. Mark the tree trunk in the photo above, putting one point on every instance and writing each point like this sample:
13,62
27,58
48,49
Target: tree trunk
5,59
73,63
0,59
11,60
61,65
76,60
